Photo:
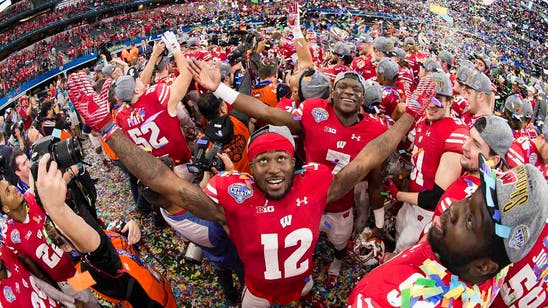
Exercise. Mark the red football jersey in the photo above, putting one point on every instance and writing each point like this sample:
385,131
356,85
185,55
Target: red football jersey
149,124
432,139
19,288
334,70
329,142
400,282
462,188
274,238
364,66
526,282
405,81
27,238
527,131
524,151
390,100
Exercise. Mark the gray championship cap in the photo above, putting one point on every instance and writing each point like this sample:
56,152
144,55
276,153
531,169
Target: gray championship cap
446,57
313,85
545,128
479,82
124,88
107,70
409,41
432,66
384,44
280,130
388,68
485,59
225,70
496,132
342,49
443,84
516,201
398,52
365,38
527,109
514,105
373,93
463,73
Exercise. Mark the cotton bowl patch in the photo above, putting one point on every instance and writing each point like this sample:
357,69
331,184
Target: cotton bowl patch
519,237
240,192
320,114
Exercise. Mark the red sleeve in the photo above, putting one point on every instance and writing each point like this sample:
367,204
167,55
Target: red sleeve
455,140
516,154
162,91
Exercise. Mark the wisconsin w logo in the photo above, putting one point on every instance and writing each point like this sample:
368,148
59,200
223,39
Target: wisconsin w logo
286,221
341,144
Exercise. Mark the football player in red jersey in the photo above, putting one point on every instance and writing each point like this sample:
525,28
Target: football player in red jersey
437,150
150,116
274,216
363,64
23,233
464,262
387,76
534,151
19,287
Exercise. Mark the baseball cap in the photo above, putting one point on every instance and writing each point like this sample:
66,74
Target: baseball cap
430,65
107,70
270,138
373,92
193,42
516,202
409,41
527,109
383,44
514,105
342,49
496,132
225,69
480,82
466,63
388,68
545,127
162,63
314,84
352,75
443,84
446,57
398,52
463,73
124,88
365,38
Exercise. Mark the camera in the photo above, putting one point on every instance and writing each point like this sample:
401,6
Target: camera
218,133
65,153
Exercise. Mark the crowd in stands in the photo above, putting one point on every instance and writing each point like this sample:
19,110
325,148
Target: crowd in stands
16,8
450,152
474,23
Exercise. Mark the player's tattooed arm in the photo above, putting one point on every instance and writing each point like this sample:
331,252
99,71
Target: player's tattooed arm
370,157
158,177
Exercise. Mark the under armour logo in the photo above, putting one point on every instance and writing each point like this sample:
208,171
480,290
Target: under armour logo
356,137
303,201
341,144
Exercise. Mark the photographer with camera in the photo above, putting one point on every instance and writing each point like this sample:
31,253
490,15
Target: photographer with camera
108,259
51,118
233,128
23,234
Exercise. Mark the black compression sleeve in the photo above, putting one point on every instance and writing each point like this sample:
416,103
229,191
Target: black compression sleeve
429,199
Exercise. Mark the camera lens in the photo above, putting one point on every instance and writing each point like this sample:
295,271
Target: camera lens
67,152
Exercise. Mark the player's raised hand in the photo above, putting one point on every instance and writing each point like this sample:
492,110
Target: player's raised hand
94,108
391,188
51,187
293,17
207,74
419,100
171,42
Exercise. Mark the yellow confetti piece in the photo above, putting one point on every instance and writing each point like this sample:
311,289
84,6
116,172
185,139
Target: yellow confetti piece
455,292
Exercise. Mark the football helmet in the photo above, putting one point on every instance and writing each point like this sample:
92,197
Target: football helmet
368,250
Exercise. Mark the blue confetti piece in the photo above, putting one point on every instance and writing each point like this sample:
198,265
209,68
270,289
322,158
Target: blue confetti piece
296,118
496,215
502,231
327,224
